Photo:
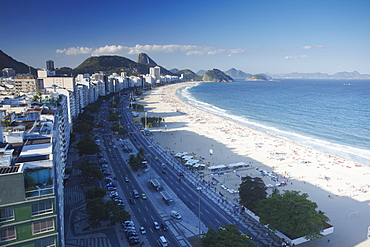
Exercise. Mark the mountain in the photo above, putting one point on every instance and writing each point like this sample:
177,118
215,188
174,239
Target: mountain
234,73
318,75
19,67
201,72
145,59
174,70
258,77
189,75
216,75
115,64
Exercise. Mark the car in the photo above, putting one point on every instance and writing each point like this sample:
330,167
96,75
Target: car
156,225
142,230
111,184
163,166
146,169
131,233
114,193
114,155
106,173
129,229
164,227
175,215
104,166
143,196
110,188
127,179
164,172
128,223
133,237
221,228
156,158
132,201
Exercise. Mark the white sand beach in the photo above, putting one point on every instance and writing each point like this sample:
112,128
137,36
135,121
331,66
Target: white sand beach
341,188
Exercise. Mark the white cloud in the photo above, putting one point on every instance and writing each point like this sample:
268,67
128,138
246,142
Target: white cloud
75,50
307,47
124,50
295,57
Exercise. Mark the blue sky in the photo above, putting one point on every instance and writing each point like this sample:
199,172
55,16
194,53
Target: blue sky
274,36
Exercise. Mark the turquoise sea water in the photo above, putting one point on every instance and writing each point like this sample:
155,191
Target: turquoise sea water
332,116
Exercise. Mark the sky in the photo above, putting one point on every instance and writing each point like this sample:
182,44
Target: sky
255,36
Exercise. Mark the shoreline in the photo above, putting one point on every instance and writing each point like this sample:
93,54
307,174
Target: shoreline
339,187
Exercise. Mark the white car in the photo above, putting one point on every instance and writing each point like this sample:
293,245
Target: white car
156,225
142,230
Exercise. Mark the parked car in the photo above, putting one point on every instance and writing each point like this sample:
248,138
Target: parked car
156,225
110,188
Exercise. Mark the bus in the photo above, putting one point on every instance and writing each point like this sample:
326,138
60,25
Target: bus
155,184
166,197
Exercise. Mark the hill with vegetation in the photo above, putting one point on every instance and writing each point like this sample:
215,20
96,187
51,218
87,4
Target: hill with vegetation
216,75
115,64
189,75
258,77
234,73
19,67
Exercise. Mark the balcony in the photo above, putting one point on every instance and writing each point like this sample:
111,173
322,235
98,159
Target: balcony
39,192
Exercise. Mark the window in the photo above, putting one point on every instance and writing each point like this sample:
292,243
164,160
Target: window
6,214
43,226
7,234
42,208
45,242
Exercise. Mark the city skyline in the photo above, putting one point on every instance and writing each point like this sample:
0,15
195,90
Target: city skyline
253,36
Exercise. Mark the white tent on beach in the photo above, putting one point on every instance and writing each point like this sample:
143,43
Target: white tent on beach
237,165
216,167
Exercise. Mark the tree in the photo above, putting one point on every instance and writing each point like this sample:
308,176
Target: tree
135,162
95,192
229,234
97,210
251,191
292,214
91,169
87,146
117,214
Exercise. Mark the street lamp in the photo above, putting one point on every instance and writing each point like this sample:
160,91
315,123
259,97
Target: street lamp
145,114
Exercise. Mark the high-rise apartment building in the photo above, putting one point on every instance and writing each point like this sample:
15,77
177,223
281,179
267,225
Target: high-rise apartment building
50,65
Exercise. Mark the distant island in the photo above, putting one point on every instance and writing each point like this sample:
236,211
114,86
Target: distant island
259,77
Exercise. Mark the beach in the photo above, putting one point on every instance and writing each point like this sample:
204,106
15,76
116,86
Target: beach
341,188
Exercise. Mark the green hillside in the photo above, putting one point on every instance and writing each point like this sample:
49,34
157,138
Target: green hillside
19,67
258,77
189,75
114,64
216,75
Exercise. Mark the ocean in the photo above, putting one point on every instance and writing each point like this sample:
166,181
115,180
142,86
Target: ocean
332,116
